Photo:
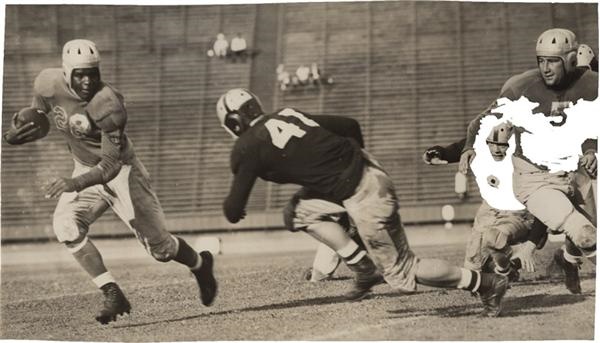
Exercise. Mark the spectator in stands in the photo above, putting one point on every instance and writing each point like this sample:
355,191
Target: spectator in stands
315,73
283,77
303,74
239,47
220,46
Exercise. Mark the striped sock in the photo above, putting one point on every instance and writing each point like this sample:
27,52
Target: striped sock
351,253
470,280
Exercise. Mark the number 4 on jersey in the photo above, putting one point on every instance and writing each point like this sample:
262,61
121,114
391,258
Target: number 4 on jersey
281,132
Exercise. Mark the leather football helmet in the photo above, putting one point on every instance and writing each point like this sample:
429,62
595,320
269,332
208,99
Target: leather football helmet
236,109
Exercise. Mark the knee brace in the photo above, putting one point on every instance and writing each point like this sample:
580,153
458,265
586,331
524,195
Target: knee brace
166,250
495,239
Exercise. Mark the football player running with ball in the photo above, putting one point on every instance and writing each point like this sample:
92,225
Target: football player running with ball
554,85
91,116
289,146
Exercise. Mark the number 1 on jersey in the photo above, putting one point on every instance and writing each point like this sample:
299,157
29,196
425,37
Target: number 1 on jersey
281,132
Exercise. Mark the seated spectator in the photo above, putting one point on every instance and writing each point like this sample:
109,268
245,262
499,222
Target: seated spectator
315,73
283,77
221,45
303,74
586,58
239,47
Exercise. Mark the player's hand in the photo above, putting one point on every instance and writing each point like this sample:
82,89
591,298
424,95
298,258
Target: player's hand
20,135
433,155
525,255
465,161
590,163
58,185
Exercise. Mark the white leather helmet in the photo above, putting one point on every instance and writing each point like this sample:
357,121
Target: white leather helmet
236,109
558,43
79,53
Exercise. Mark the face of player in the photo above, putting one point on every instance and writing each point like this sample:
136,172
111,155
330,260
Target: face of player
498,151
85,82
552,70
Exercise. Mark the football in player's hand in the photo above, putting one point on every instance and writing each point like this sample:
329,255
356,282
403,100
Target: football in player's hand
35,116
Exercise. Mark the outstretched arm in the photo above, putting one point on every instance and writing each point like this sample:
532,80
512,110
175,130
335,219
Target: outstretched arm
443,155
244,166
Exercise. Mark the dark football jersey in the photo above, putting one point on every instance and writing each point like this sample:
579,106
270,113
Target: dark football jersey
288,146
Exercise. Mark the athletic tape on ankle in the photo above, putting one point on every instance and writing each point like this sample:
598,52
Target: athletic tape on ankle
358,257
103,279
348,250
572,258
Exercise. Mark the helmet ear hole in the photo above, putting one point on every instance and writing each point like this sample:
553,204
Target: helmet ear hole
233,122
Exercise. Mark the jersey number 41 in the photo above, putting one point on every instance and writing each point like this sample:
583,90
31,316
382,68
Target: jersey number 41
281,131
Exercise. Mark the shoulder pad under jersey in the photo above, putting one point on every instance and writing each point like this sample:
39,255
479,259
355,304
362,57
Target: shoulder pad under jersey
519,82
47,80
107,109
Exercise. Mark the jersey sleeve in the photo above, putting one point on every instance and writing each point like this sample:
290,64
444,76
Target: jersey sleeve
244,166
452,152
474,127
43,87
107,110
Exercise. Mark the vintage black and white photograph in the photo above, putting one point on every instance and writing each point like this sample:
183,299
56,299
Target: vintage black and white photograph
299,171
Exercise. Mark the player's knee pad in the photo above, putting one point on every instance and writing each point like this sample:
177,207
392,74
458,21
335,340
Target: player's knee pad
67,229
495,239
581,231
166,250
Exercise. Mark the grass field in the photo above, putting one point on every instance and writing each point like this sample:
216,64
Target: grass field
263,297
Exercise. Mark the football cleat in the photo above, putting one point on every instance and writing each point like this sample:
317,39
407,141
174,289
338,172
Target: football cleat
314,275
492,297
362,286
366,277
206,279
115,303
570,270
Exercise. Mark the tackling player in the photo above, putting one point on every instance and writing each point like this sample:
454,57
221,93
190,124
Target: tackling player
289,146
548,196
494,231
326,260
91,116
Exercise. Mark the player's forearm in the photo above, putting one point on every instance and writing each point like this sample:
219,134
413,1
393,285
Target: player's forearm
102,173
472,131
235,203
452,152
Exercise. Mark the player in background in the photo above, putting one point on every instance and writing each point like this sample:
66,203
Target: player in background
289,146
586,58
91,116
549,196
495,231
